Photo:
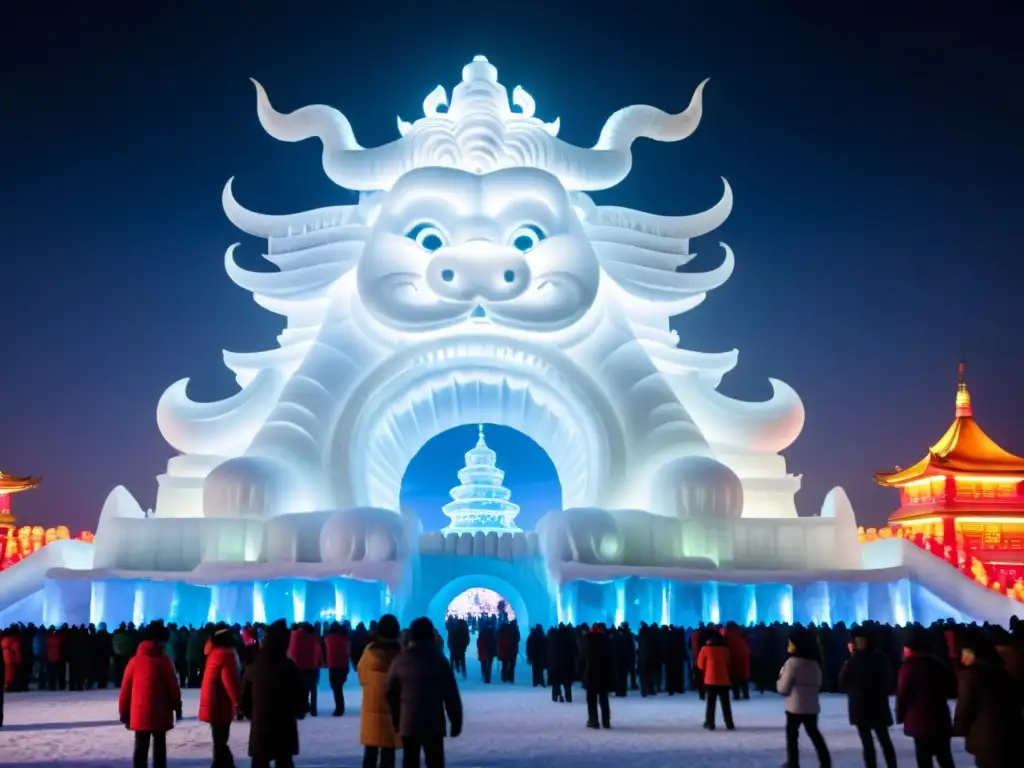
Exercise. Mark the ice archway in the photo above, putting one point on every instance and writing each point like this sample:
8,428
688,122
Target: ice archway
439,603
424,393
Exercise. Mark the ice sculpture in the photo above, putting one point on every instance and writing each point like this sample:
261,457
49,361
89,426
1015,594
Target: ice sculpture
481,503
476,281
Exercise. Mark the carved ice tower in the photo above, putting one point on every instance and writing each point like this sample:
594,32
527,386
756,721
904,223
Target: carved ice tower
481,503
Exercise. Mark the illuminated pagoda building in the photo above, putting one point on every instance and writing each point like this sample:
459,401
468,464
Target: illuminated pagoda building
10,485
481,503
964,501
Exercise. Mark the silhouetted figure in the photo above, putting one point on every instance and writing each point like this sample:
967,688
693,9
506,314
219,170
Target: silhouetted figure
536,654
598,675
486,650
421,692
458,644
567,653
988,707
99,656
739,660
866,677
921,692
508,651
274,699
625,660
338,652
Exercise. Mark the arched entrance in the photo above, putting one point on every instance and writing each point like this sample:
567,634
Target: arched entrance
424,391
480,601
437,609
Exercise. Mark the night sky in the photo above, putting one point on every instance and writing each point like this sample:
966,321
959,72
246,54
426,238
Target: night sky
876,160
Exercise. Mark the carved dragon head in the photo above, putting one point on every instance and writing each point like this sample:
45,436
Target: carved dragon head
477,212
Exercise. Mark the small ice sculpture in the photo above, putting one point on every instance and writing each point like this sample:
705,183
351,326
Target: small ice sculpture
481,503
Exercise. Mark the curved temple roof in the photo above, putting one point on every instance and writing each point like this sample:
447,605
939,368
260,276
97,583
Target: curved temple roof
963,448
15,484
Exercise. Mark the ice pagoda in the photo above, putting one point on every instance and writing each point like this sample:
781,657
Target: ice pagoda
481,503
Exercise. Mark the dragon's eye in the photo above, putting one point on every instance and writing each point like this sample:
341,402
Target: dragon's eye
526,237
427,236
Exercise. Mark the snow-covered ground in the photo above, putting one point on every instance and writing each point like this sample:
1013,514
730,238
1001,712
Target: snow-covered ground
505,726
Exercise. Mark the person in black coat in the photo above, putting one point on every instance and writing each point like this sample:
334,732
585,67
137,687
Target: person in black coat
421,690
598,675
567,652
648,659
625,660
273,699
988,707
551,644
921,693
675,660
100,651
866,677
536,654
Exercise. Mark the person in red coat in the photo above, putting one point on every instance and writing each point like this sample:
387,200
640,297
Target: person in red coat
486,645
739,660
150,698
55,660
338,658
508,651
304,650
713,662
11,645
219,698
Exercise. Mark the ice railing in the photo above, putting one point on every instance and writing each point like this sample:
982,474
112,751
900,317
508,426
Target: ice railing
505,546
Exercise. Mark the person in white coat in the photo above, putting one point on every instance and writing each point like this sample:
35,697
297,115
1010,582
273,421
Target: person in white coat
800,682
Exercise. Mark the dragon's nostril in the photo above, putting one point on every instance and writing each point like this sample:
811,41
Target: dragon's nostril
510,276
447,275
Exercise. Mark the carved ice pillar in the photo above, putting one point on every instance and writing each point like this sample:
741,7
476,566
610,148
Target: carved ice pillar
774,603
620,601
232,603
342,607
190,604
139,603
299,600
157,599
259,602
667,597
687,603
881,607
737,602
710,605
811,603
565,602
65,602
902,603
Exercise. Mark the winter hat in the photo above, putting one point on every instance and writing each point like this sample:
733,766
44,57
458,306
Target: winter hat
222,637
916,641
388,627
421,630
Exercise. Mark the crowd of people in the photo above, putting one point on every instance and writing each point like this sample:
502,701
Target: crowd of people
269,674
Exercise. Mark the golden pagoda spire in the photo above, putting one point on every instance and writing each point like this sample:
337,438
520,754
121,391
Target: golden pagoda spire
963,397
